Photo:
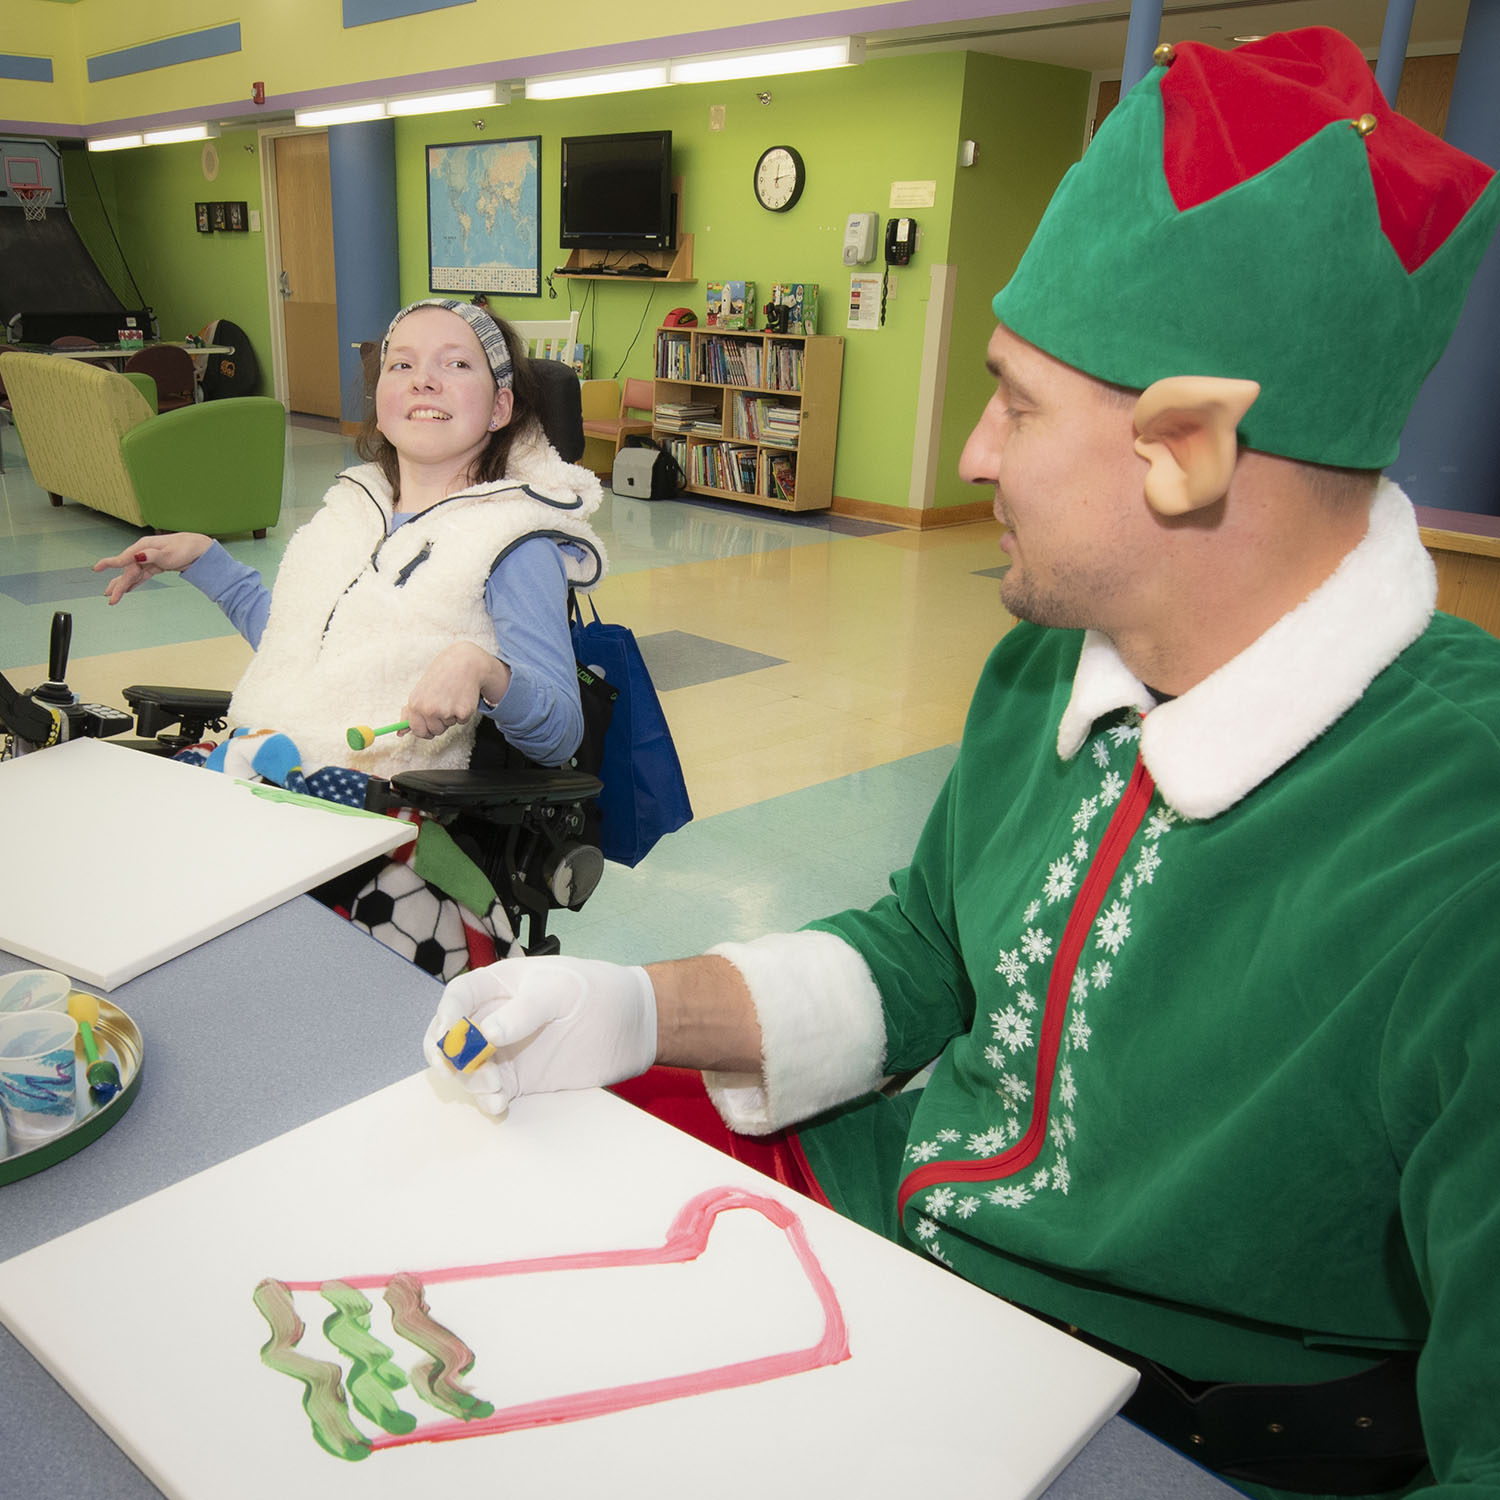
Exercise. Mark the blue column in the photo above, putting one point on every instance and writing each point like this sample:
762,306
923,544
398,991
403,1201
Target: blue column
362,169
1140,42
1450,453
1393,40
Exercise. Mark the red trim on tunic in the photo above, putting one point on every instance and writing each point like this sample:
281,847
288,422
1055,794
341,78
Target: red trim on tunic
1122,829
678,1096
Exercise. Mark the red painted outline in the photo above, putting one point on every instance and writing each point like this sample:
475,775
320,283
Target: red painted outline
1122,829
686,1240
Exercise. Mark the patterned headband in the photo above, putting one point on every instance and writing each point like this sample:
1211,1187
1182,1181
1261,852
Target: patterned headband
486,330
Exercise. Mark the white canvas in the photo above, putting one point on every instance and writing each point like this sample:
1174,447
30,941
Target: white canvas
115,861
942,1387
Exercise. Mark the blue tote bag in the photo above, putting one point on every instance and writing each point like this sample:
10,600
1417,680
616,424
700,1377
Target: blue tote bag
645,796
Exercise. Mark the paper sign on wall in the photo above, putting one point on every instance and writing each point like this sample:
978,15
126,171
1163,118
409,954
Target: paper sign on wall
865,301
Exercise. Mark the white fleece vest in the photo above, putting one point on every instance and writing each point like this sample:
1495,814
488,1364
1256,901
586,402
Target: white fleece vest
357,616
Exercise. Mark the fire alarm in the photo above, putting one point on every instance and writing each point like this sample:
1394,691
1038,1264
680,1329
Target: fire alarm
257,93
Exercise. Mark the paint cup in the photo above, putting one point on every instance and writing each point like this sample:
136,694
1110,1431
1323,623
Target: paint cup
38,1066
34,989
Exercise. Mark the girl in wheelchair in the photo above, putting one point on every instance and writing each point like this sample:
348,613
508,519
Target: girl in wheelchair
432,587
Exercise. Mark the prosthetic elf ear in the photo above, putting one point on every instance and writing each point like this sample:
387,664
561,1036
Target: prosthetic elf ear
1185,429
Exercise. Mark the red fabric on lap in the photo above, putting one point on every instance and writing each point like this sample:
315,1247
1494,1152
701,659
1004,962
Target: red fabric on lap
677,1097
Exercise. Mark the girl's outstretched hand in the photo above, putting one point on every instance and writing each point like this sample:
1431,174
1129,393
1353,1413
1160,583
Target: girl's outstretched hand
150,556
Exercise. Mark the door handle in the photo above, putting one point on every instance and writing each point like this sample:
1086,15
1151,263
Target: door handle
284,282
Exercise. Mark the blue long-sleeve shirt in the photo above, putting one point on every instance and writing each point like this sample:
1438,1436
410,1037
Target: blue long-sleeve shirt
526,596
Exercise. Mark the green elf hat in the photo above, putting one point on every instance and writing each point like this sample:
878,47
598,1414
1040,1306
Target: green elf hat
1262,214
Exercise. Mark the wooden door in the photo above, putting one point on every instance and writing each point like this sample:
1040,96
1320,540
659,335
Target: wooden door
309,299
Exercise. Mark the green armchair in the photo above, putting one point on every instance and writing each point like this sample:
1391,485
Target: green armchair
91,436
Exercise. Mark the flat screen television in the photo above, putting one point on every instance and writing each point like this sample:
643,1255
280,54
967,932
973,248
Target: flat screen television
617,192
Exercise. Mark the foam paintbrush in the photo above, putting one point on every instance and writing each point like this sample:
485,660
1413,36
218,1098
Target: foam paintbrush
103,1076
361,736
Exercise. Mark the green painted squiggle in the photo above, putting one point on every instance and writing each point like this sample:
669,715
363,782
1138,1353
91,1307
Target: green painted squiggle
435,1381
323,1398
372,1376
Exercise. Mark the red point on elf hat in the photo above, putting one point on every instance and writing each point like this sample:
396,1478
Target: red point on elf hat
1262,214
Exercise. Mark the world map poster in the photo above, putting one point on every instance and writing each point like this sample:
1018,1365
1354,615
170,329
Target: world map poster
484,223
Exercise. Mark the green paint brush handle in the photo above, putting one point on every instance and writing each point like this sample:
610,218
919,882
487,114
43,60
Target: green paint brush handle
362,736
90,1046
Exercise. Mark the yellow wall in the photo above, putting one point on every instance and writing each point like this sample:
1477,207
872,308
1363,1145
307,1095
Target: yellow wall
294,46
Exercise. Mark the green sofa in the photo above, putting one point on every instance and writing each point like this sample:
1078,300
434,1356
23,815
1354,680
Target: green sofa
92,437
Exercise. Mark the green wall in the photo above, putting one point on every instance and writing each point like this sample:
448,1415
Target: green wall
858,130
190,279
1028,121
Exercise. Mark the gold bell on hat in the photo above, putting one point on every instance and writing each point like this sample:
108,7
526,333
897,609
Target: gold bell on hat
1164,55
1365,124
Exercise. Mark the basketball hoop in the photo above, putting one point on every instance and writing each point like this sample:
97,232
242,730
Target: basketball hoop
34,198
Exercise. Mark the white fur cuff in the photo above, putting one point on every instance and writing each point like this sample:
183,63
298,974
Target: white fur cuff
822,1030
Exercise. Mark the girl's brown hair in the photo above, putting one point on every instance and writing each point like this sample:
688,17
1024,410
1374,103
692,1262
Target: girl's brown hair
374,447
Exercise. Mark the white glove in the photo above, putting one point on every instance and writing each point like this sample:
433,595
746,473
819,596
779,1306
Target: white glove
556,1023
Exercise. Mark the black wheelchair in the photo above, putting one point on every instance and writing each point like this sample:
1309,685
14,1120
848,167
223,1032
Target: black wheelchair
531,830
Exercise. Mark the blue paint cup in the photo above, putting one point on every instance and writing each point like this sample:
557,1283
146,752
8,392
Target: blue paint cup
38,1070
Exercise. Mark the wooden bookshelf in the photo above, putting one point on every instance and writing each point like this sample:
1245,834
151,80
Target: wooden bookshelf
774,398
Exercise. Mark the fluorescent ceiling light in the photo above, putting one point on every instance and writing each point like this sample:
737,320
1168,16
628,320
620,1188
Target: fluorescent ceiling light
597,81
799,57
341,114
181,133
432,104
116,142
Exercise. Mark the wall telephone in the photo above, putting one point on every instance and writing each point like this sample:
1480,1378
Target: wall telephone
900,241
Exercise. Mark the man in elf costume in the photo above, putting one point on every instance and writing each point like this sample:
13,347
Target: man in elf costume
1201,933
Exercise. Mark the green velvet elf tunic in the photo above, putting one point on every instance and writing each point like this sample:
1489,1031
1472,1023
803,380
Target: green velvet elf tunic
1218,1061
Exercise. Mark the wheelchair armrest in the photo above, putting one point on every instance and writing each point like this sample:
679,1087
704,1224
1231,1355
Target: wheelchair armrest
196,709
468,791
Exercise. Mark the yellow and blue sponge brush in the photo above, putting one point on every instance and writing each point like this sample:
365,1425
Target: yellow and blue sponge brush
465,1047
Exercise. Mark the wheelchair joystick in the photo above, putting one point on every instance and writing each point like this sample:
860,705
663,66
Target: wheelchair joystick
55,690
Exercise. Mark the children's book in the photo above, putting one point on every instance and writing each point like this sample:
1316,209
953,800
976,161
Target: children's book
731,304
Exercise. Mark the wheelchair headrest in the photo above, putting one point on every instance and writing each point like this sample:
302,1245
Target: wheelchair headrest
559,405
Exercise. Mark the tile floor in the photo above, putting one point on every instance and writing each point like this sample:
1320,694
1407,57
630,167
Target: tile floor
815,671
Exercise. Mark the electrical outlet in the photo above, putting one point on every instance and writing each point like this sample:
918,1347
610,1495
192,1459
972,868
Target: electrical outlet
254,221
715,116
892,281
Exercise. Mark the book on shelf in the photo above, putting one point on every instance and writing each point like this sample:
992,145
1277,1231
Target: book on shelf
731,361
781,473
731,304
673,356
785,373
800,298
679,416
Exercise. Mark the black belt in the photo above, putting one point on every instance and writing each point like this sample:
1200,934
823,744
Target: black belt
1358,1435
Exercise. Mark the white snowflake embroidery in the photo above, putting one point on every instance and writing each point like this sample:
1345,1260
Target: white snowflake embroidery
1011,965
1040,1179
1011,1028
1070,1128
1101,754
1025,1001
1113,927
1080,850
1113,785
1013,1128
1101,974
1014,1090
923,1151
926,1229
1080,984
1161,820
935,1251
1009,1195
1079,1031
1056,1133
1148,864
1127,887
1122,734
994,1056
1061,1176
1062,875
987,1142
939,1201
947,1137
1031,911
1036,945
1067,1085
1088,810
967,1207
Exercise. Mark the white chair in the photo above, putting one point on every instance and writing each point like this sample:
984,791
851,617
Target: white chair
549,340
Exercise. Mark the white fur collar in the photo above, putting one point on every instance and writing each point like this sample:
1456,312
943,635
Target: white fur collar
1221,739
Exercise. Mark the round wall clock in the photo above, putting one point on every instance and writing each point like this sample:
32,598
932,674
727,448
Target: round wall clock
779,178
